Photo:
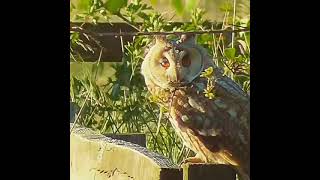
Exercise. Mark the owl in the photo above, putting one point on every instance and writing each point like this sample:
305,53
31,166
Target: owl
216,128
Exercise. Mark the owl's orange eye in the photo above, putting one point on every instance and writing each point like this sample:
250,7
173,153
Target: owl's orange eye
186,61
165,63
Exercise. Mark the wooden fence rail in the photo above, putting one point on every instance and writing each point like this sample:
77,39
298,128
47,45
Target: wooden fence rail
94,156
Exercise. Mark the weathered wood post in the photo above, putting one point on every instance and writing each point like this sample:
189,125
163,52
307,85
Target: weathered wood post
208,172
96,157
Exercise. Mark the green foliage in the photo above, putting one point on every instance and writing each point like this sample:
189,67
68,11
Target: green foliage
230,53
136,10
114,6
208,74
122,104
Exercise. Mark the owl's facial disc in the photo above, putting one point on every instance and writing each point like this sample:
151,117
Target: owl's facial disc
182,65
172,65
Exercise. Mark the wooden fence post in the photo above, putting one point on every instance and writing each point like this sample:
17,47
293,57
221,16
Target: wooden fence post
208,172
94,156
136,138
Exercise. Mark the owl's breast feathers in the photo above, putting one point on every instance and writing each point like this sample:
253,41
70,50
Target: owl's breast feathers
217,129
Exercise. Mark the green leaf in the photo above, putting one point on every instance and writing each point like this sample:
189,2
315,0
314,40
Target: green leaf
143,15
230,53
239,59
114,6
205,38
177,5
208,73
247,35
74,37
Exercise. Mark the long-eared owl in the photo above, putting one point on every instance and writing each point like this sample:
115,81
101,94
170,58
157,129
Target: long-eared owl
216,128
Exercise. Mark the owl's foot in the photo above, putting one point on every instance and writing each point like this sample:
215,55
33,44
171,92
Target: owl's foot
192,160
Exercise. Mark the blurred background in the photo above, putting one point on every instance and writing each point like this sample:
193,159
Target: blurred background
180,10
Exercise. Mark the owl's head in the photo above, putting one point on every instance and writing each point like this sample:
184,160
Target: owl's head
172,64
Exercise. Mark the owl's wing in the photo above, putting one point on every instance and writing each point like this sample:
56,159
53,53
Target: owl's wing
220,123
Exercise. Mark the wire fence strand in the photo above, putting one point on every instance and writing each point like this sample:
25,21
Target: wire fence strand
79,29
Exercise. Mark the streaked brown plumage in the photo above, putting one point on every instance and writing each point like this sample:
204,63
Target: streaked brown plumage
218,130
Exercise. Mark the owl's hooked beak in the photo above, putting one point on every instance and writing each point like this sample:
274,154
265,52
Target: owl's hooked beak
177,82
176,79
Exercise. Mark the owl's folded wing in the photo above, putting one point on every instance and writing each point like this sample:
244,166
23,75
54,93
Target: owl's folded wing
220,123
